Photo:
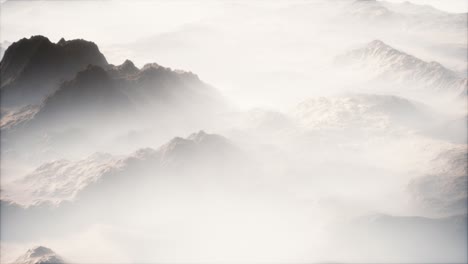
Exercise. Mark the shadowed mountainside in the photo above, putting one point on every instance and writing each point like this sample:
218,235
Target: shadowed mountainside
33,68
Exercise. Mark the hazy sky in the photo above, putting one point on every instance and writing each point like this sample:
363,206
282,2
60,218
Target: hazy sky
447,5
192,35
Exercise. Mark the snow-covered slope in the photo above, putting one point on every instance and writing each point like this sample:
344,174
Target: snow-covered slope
362,111
443,190
380,61
63,180
40,255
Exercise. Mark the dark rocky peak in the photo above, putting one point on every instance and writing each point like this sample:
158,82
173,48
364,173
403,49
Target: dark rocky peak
153,70
91,96
84,51
124,70
92,75
33,68
18,55
40,52
61,41
88,85
148,71
150,66
91,88
154,74
128,65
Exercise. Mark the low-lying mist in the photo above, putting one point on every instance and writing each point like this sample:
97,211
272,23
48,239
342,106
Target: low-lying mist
299,131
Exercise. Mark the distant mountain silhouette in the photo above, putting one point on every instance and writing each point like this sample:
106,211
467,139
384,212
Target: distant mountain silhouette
91,95
370,112
393,66
122,93
194,156
77,89
411,16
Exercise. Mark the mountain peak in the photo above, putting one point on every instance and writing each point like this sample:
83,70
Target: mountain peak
34,38
201,137
39,251
150,66
378,44
125,69
196,141
128,63
61,41
34,68
198,135
386,63
18,54
40,255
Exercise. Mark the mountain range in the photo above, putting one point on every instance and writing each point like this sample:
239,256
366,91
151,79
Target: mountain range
66,111
50,72
199,155
407,15
67,89
390,66
187,170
